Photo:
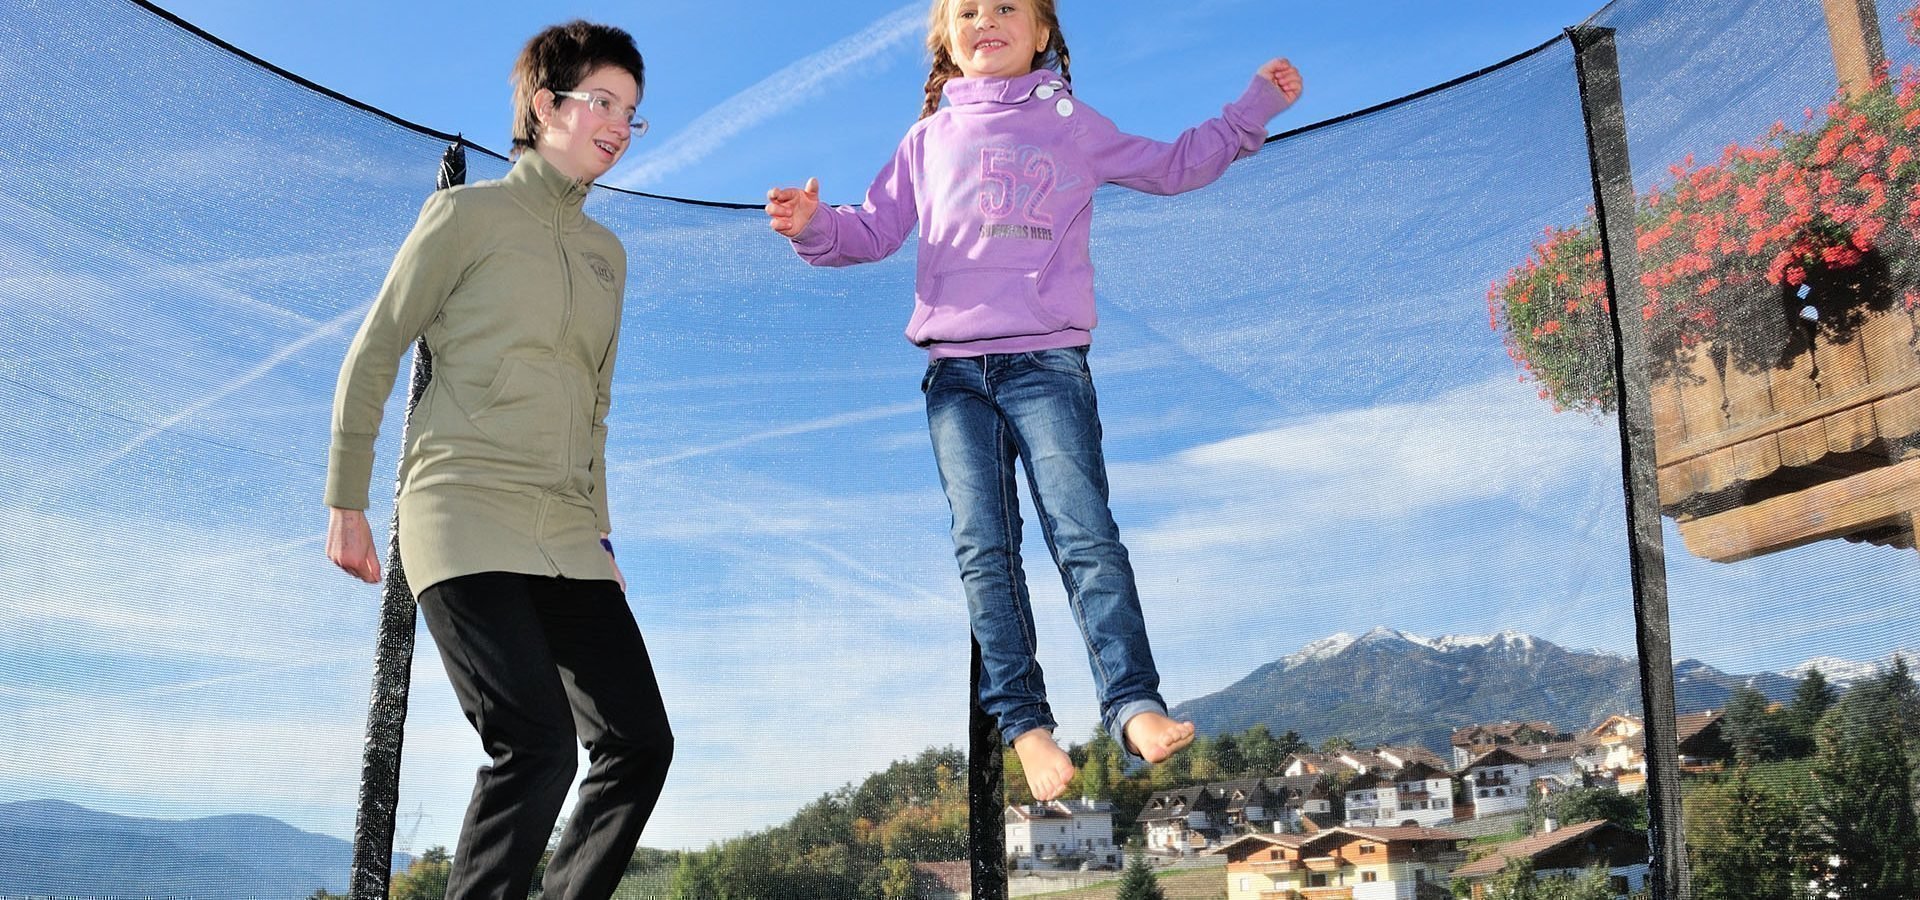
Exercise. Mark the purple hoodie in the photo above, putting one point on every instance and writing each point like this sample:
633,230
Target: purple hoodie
1001,181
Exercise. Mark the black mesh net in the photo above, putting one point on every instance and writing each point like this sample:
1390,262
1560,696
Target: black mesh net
1358,401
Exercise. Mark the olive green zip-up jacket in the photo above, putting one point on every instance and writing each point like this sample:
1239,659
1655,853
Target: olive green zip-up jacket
518,294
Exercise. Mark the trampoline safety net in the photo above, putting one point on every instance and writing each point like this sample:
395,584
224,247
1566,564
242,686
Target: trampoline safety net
1448,621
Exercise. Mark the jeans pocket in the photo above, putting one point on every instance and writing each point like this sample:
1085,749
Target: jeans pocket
933,368
1065,360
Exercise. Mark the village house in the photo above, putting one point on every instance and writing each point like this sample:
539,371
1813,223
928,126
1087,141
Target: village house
1469,741
1360,762
1194,819
1622,741
1702,744
1496,783
1568,852
1389,863
943,880
1314,764
1061,834
1182,821
1416,793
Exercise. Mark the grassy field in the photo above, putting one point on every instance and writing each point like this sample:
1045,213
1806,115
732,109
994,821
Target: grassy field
1179,884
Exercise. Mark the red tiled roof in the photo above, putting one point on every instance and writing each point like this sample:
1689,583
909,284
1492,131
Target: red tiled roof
1528,848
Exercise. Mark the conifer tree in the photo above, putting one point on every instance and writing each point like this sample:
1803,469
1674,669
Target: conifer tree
1864,844
1744,840
1139,882
1811,700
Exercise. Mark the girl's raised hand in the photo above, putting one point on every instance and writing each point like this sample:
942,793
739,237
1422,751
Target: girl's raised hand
790,209
1284,76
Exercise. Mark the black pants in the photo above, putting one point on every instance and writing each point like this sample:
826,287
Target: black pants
537,663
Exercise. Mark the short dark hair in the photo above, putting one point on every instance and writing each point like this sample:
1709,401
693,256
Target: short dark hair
558,59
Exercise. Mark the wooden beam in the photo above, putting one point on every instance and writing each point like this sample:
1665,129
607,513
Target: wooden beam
1853,28
1883,496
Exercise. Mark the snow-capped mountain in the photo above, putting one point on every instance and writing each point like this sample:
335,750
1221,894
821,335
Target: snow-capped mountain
1388,686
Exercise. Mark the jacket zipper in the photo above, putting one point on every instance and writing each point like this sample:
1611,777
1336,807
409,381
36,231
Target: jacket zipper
566,326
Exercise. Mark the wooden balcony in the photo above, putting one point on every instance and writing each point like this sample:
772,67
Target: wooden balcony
1269,866
1325,893
1755,462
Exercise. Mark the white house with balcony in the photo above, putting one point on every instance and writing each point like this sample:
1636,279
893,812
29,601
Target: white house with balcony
1183,821
1417,793
1496,782
1061,834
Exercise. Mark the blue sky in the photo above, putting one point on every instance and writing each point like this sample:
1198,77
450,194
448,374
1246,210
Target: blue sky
1310,427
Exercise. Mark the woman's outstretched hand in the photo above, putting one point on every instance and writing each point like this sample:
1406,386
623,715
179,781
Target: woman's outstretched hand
1284,76
790,209
350,544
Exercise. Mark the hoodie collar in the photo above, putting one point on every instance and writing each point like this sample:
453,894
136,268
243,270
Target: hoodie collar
963,91
546,191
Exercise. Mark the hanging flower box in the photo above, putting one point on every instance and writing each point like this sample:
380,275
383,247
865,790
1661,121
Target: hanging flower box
1781,286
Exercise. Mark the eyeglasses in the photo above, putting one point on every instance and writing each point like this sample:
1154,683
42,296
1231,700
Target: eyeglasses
603,106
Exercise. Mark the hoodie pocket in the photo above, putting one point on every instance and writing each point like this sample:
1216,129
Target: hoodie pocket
525,410
979,304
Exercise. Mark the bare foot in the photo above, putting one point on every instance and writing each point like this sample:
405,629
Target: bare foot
1047,766
1156,737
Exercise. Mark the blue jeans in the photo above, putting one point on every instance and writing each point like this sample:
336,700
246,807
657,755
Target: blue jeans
983,412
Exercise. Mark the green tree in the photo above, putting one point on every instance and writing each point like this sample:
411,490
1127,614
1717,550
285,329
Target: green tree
1903,695
1261,752
1811,700
1514,881
1102,767
1336,744
1593,884
1517,881
1585,805
697,877
1744,841
1228,758
1751,727
891,880
1865,842
1202,763
425,879
321,893
1139,882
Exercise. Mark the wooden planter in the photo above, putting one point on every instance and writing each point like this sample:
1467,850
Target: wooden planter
1751,463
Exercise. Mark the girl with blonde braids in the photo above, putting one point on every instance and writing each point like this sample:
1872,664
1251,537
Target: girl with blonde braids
1001,183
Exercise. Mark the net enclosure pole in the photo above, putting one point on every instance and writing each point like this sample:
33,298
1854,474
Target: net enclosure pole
392,661
1853,30
1597,63
986,811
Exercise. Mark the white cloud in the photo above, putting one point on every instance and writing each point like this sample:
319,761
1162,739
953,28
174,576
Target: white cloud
798,83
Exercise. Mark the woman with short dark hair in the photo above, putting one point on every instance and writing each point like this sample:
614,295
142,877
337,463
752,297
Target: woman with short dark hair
502,507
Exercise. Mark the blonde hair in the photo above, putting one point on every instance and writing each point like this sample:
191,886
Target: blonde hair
1052,56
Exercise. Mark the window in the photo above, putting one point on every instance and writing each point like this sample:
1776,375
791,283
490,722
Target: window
1618,884
1419,876
1246,884
1366,848
1317,879
1369,877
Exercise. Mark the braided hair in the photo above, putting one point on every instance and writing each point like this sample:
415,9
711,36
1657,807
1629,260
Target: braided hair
1052,56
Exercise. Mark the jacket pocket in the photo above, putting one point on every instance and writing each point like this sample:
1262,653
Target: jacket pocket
525,410
981,303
